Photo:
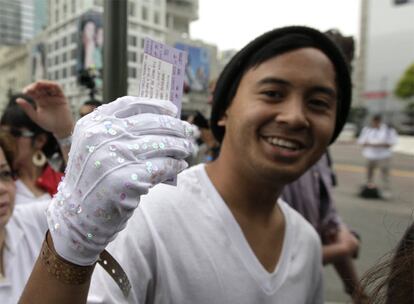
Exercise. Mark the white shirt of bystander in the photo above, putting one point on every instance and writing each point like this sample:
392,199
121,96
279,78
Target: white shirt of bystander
25,196
25,232
381,135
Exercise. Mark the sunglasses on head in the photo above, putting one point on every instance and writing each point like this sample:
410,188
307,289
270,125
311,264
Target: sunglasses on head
20,133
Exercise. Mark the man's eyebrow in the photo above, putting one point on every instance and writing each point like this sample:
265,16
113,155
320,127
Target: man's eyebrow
273,80
316,89
324,90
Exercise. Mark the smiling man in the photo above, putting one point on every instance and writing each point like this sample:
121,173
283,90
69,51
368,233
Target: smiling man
222,235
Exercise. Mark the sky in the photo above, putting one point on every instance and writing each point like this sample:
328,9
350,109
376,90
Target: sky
230,24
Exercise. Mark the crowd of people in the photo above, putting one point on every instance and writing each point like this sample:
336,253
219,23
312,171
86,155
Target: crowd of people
253,220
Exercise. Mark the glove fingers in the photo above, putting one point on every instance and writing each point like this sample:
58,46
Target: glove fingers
153,146
149,123
118,153
92,135
127,106
137,149
125,185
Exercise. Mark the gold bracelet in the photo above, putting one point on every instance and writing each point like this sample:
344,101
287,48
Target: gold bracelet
73,274
62,270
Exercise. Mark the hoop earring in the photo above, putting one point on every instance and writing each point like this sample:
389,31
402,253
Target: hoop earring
39,159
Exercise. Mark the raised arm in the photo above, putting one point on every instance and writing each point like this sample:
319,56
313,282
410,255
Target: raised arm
52,111
118,153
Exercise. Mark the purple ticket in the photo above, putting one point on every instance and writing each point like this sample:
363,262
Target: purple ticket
162,72
162,75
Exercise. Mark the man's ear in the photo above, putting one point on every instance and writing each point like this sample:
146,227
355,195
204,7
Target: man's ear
40,140
223,120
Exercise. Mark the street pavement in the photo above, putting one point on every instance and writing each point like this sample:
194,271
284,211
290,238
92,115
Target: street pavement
380,223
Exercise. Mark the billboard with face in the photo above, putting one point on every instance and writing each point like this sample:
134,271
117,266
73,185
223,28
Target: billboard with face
90,54
197,72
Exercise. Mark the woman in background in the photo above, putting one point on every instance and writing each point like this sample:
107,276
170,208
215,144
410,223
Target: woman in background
37,180
22,229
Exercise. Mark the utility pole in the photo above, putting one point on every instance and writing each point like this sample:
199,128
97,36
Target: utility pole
361,62
115,49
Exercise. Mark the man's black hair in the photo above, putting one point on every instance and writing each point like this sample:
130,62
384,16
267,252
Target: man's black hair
93,102
377,117
267,46
200,121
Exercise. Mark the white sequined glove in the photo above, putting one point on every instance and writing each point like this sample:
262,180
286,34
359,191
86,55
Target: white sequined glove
119,151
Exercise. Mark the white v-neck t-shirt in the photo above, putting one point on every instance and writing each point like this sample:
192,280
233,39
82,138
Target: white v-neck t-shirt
183,245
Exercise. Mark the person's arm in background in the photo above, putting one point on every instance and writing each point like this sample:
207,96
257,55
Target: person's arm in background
340,252
52,111
393,137
340,245
362,139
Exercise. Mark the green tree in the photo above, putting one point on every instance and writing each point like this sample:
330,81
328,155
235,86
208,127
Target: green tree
405,90
405,86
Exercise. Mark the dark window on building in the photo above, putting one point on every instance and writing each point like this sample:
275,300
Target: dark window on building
144,13
64,41
73,70
156,17
73,54
132,40
131,8
132,56
132,72
64,57
64,73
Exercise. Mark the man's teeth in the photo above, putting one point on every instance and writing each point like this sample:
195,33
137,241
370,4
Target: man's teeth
282,143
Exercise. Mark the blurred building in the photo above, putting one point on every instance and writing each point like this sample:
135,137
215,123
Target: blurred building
20,65
386,51
13,71
76,24
224,57
41,15
16,21
63,49
21,20
179,15
202,57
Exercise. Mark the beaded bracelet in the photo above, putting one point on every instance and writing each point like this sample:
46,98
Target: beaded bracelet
66,141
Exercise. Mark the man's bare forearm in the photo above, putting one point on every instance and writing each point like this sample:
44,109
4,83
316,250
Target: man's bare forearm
45,288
